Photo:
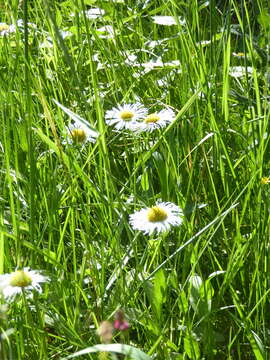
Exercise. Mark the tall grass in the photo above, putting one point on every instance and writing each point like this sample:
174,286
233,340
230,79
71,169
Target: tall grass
200,291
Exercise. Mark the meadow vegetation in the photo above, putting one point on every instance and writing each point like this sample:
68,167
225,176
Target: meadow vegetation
134,198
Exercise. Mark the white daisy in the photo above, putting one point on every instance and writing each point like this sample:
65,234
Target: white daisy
91,14
94,13
106,32
240,55
156,120
20,24
240,71
20,281
158,218
79,133
168,20
63,34
6,29
125,116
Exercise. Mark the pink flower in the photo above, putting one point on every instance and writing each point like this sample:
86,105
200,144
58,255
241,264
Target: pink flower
120,322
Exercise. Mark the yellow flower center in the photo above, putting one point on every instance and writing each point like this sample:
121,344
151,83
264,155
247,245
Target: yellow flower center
21,279
265,180
78,135
240,54
156,214
152,118
4,27
126,115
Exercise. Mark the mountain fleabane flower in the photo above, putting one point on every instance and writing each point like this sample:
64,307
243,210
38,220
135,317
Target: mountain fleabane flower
240,71
168,20
79,133
91,14
19,281
158,218
125,116
265,180
6,29
156,120
94,13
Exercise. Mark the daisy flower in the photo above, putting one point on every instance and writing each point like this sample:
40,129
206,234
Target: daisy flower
158,218
240,71
156,120
106,32
94,13
91,14
6,29
125,116
79,133
168,20
19,281
239,55
265,180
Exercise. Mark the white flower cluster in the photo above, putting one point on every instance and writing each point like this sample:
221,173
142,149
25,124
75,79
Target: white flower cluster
7,29
134,117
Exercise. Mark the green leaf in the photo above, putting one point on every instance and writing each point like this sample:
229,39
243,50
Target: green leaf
131,351
264,19
191,347
49,256
216,273
182,302
145,181
207,291
21,129
89,2
203,5
161,170
51,144
78,118
257,346
59,18
159,292
195,285
201,294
